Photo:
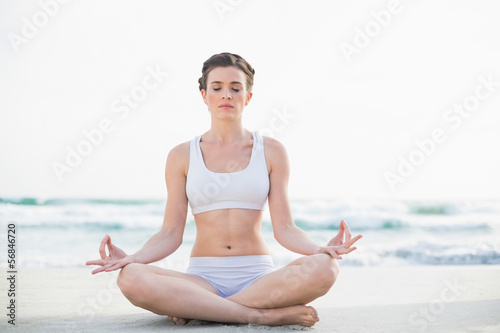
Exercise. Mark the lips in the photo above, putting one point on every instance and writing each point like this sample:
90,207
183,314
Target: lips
225,106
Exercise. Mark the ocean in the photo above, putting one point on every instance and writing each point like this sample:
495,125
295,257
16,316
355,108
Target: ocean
67,232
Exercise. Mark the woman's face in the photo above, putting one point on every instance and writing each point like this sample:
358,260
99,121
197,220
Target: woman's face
226,93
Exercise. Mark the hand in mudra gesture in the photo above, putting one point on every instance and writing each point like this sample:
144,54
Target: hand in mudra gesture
337,246
117,258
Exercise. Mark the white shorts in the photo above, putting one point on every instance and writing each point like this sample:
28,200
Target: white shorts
231,274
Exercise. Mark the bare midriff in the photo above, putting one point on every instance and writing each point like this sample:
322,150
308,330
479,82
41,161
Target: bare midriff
229,232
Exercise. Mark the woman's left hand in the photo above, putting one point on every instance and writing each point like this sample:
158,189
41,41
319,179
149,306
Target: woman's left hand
336,246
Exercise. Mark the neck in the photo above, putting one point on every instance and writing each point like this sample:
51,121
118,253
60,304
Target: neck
227,131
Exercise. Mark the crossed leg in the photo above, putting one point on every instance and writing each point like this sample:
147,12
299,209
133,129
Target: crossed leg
278,298
300,282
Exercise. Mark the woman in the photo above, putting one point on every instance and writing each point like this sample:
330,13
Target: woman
226,175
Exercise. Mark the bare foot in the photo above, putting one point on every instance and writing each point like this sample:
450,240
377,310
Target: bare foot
180,321
293,315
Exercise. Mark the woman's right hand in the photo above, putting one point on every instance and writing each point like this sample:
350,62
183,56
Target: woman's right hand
116,259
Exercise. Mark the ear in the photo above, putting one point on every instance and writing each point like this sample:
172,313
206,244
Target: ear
204,96
249,97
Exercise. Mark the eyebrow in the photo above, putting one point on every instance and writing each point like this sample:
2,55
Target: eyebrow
219,82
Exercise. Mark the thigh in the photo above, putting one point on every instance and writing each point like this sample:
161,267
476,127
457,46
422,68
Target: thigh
175,274
300,282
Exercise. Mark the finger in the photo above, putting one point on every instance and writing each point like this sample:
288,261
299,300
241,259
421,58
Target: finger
334,254
111,267
114,267
95,262
330,251
352,241
102,248
111,246
342,229
346,251
347,231
340,234
115,264
98,270
341,226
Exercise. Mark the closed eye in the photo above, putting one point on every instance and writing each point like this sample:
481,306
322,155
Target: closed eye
235,90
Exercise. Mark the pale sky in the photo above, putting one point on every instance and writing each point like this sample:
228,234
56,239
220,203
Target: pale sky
348,88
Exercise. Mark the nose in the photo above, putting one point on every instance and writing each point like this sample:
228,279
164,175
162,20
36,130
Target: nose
227,94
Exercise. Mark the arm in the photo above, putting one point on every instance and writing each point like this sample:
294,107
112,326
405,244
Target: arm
285,231
169,238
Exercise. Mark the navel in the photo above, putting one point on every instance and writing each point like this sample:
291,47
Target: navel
229,247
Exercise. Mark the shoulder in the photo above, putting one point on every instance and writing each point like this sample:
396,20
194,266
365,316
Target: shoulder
276,155
273,147
178,157
180,150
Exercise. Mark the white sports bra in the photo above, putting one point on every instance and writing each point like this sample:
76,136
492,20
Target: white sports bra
207,190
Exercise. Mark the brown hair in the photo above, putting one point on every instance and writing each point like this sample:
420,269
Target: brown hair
226,59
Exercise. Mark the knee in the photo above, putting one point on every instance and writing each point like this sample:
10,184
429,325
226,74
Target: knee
334,270
325,272
129,280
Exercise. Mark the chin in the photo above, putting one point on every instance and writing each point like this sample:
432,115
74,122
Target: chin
226,114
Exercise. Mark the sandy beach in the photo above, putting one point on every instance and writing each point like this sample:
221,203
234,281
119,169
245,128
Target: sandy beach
364,299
